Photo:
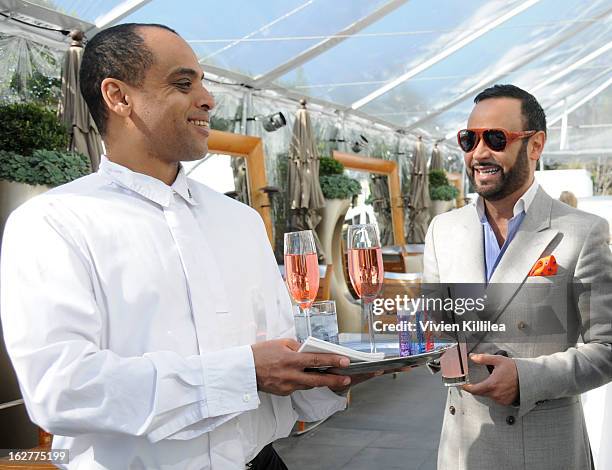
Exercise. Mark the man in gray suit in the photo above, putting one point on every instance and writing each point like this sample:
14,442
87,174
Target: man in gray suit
526,414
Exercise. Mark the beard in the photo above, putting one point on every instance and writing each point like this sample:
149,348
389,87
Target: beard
509,182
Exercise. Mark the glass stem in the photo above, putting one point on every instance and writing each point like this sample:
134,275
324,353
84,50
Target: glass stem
368,316
306,311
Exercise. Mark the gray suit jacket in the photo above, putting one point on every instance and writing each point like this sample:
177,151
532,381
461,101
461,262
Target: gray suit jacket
547,430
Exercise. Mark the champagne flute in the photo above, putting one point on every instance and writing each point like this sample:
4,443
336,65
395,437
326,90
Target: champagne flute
366,270
302,270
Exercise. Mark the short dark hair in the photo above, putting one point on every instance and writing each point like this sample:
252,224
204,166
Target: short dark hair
534,117
117,52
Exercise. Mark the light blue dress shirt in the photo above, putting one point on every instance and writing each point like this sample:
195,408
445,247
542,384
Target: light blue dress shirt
493,253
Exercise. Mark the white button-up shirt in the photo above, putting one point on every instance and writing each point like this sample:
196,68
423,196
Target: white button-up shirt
128,309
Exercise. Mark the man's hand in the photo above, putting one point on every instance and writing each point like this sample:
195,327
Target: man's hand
502,385
280,368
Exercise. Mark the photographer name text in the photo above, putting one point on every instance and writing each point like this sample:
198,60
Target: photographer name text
470,326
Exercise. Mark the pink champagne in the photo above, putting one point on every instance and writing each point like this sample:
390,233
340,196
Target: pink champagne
302,277
366,271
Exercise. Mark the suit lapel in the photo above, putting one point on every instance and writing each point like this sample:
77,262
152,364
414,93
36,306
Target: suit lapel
531,240
469,265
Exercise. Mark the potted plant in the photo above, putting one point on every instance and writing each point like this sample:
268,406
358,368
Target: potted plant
441,193
334,183
338,190
33,156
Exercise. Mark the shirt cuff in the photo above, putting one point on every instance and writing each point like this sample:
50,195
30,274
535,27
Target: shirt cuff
229,381
316,404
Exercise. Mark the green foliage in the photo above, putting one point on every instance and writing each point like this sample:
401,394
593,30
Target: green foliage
38,88
443,193
25,127
437,178
47,167
279,204
439,189
221,124
339,186
329,166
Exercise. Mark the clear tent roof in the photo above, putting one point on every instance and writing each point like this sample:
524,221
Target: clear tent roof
412,65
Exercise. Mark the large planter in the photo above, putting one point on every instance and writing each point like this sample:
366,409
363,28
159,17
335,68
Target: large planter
12,195
440,207
330,234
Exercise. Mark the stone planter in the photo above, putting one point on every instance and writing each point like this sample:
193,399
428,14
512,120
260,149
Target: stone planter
12,195
330,234
439,207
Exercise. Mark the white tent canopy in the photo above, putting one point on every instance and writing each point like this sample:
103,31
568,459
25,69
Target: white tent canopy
411,66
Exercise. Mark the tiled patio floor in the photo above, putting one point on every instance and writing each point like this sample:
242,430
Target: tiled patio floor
391,424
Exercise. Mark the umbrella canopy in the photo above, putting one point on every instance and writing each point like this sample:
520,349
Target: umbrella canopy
419,197
84,135
303,189
436,159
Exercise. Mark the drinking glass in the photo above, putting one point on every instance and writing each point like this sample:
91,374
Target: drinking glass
323,322
454,365
302,270
366,271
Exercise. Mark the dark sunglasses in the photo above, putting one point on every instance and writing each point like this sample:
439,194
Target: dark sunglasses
495,139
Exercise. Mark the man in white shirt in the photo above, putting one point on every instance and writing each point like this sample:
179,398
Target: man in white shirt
144,313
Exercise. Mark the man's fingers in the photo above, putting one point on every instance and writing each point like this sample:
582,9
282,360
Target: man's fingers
313,379
487,359
321,360
482,388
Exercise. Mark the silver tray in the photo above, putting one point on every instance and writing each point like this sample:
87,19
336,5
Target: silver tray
392,360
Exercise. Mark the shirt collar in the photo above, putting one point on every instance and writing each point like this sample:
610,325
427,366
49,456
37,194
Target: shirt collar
145,185
522,205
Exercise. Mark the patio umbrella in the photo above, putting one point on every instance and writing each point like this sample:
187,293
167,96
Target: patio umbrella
84,135
436,159
241,186
419,201
303,189
381,204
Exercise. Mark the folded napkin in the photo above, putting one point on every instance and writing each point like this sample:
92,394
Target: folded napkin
546,266
315,345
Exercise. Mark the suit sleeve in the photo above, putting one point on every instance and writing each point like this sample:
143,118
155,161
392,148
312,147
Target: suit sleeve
587,366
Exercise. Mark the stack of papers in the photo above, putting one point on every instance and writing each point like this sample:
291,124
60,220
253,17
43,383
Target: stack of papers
314,345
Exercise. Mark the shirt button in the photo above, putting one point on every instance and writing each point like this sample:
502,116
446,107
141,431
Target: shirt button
246,398
451,410
510,420
521,325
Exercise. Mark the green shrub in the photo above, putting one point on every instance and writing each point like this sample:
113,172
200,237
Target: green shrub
46,167
339,186
221,124
38,88
443,193
329,166
437,178
25,127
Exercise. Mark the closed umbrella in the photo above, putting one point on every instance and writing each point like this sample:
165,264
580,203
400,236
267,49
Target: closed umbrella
381,204
419,201
303,188
436,159
84,135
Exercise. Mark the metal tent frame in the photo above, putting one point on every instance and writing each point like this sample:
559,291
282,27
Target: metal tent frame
15,13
